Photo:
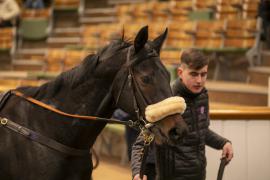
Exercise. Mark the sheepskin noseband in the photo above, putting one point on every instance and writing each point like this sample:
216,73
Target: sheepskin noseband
169,106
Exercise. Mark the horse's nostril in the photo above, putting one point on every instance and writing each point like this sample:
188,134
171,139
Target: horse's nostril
177,134
174,135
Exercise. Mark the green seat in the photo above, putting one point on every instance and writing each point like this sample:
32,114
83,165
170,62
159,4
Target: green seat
201,15
173,71
34,28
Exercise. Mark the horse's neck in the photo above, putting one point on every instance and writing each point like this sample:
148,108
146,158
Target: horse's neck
78,92
83,99
86,102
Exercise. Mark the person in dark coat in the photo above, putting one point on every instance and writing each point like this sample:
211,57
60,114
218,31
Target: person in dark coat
186,160
264,13
130,133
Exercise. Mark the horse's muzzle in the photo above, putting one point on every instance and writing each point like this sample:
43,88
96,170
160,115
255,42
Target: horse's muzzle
177,133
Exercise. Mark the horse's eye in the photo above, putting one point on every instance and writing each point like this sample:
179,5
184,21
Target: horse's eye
146,79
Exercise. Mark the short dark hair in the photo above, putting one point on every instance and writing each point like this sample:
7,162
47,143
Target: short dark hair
194,59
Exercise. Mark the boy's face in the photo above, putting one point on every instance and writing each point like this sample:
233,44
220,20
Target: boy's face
193,79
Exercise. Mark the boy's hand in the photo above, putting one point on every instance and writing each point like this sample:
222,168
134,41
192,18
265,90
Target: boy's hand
137,177
227,151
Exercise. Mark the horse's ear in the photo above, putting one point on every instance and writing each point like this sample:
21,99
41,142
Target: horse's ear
141,39
158,42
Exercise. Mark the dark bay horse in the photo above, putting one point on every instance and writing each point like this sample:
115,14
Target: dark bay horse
95,87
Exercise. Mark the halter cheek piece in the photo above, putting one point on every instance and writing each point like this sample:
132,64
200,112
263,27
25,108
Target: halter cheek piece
141,123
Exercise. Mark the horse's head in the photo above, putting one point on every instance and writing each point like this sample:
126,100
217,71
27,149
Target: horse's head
141,85
142,81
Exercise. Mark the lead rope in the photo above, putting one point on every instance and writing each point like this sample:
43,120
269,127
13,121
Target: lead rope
148,138
221,168
50,108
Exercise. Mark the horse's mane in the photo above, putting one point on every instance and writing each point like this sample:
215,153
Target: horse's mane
76,75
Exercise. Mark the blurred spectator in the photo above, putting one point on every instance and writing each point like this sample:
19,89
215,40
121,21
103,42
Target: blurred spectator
48,3
9,11
34,4
131,134
264,13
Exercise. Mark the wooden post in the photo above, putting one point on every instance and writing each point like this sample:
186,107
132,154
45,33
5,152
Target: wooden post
268,94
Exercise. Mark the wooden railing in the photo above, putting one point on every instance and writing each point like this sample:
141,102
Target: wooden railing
241,113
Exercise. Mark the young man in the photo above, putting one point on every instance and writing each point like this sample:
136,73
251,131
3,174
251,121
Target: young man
186,160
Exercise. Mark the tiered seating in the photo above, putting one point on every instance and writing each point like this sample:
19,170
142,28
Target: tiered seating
123,13
120,2
131,29
205,4
155,29
154,11
96,36
232,9
250,8
170,57
240,34
34,13
233,30
160,11
237,93
210,34
54,59
144,12
181,34
259,75
13,79
35,26
63,59
218,34
6,84
215,35
228,9
7,38
73,58
180,9
90,42
186,9
97,15
141,12
105,36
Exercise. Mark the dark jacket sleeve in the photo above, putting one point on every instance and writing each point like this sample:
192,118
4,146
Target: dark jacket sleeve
214,140
136,155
